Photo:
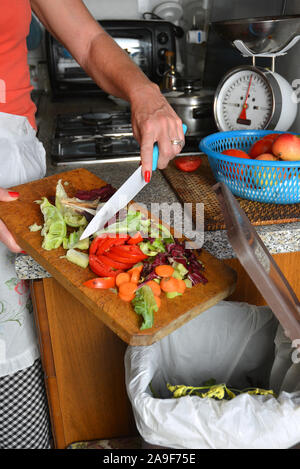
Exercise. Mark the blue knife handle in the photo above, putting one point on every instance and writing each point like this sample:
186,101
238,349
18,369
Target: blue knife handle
156,152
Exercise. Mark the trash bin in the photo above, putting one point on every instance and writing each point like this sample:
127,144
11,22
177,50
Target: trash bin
235,344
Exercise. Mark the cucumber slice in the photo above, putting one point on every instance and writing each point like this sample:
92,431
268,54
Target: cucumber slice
173,294
78,258
188,283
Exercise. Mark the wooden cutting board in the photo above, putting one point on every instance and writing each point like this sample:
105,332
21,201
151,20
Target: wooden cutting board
116,314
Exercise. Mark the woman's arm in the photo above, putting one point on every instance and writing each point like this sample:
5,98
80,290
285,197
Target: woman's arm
153,119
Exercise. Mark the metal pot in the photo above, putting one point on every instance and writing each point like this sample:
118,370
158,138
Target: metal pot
194,107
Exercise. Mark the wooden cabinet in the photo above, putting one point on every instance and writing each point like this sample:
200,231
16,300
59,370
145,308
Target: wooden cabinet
83,359
83,364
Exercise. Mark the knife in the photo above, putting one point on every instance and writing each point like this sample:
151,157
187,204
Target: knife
134,184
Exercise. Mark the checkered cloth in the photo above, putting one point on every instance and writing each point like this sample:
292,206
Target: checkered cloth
24,421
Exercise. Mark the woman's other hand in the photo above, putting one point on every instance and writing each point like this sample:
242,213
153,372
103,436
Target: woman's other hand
5,236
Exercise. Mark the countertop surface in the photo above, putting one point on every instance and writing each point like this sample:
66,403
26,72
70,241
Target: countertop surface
277,238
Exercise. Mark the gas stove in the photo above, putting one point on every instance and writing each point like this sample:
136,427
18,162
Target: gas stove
100,137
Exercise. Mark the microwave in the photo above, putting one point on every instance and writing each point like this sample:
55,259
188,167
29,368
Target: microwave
145,42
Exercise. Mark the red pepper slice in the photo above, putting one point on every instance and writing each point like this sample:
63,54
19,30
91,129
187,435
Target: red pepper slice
137,238
129,251
105,258
127,260
99,268
110,242
101,282
96,243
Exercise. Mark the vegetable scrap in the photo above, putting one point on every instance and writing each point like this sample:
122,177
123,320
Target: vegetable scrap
215,391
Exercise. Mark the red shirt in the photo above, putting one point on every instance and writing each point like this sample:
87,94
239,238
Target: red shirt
15,87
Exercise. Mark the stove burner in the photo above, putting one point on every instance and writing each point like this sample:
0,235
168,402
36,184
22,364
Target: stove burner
103,145
100,137
97,118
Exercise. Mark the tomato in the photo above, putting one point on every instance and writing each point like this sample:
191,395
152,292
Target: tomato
187,163
137,238
101,282
99,268
235,152
105,258
238,154
263,145
271,136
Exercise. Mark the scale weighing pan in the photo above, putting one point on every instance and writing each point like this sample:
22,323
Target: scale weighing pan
270,35
259,264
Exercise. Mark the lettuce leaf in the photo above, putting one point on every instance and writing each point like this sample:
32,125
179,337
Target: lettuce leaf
144,304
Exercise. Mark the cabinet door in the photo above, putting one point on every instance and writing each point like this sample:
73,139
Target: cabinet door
84,367
246,290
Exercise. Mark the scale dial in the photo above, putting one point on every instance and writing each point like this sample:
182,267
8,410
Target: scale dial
244,100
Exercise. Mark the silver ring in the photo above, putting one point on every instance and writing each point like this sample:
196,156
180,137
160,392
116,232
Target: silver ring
177,142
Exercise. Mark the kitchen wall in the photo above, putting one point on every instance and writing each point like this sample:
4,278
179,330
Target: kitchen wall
113,9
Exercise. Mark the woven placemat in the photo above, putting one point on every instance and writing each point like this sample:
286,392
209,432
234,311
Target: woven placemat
197,187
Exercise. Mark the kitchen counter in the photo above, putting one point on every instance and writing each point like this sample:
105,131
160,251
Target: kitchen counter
280,238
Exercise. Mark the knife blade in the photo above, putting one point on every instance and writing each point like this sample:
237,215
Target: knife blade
131,187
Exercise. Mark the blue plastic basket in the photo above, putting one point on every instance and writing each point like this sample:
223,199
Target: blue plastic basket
276,182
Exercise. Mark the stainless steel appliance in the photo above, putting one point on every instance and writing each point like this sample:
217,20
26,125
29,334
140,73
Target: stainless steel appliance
145,41
100,137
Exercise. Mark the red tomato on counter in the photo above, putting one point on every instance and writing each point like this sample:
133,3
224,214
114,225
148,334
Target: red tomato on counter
187,163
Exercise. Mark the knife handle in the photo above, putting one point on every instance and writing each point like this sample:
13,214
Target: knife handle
156,152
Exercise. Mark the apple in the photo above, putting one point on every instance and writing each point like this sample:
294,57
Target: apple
287,147
267,157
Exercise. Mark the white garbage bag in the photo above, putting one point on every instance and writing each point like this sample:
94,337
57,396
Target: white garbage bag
232,343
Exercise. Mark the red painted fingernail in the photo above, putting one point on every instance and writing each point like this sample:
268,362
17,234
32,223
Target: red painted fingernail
13,194
147,176
23,252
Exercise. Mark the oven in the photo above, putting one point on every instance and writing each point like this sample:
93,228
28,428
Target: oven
145,41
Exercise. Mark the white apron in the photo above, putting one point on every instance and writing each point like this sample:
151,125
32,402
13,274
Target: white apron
22,159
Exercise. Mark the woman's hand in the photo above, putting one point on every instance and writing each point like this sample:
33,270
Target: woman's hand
154,120
5,236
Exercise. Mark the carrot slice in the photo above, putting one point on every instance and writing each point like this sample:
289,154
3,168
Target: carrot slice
122,278
164,270
169,284
138,267
158,301
135,276
127,298
127,288
154,287
181,286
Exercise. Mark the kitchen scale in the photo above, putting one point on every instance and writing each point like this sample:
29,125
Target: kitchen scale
252,97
